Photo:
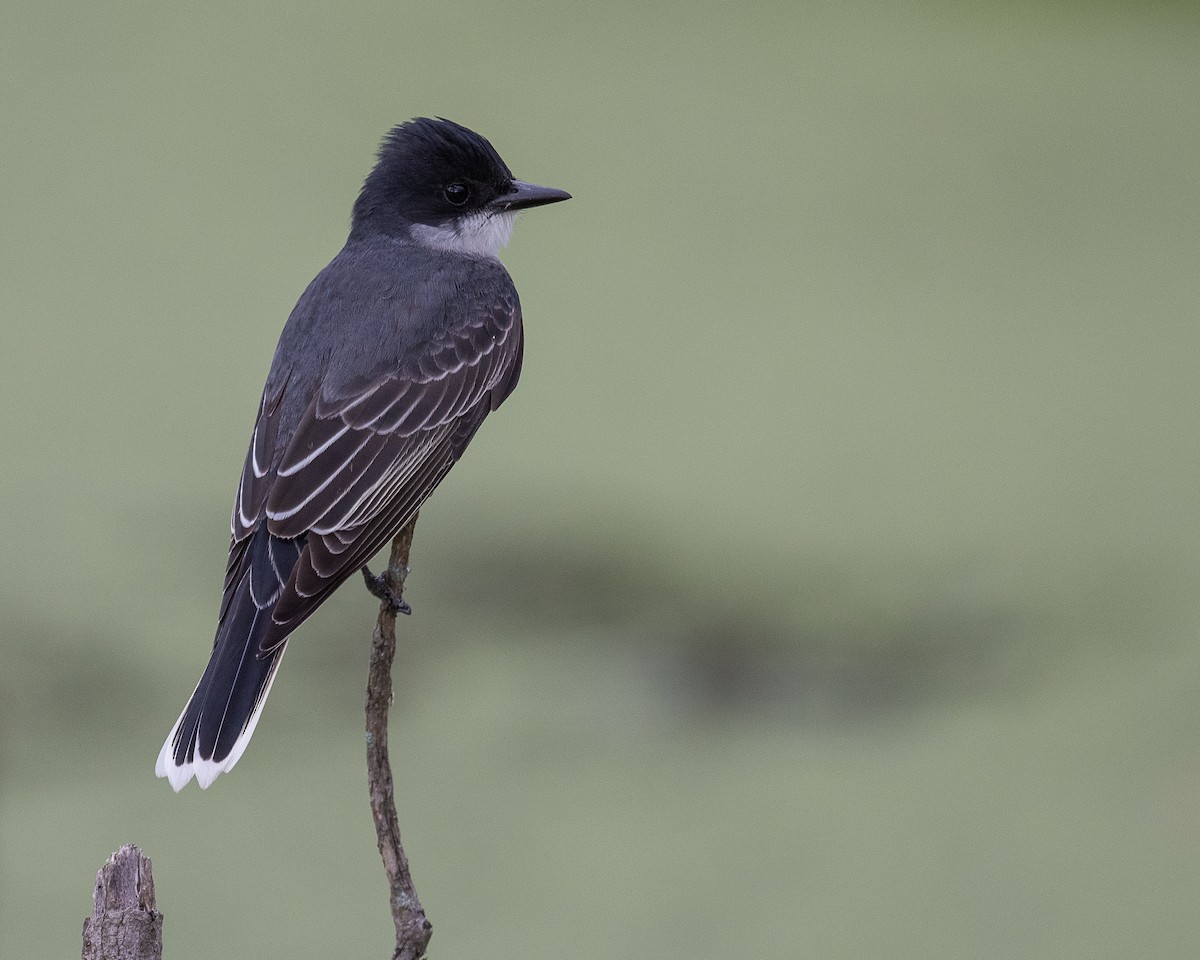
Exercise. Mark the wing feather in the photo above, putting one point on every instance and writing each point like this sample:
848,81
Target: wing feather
328,560
257,472
384,481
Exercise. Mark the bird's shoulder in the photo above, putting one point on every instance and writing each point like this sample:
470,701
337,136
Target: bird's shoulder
384,306
384,277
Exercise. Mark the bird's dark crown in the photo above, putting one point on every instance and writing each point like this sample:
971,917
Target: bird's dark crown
429,172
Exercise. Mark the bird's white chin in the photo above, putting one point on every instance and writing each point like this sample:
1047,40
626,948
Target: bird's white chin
475,235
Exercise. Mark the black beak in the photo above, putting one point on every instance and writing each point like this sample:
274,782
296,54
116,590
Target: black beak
524,195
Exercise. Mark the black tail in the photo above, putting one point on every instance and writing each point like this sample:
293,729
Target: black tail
219,719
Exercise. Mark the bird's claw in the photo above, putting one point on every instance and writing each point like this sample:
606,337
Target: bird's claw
381,587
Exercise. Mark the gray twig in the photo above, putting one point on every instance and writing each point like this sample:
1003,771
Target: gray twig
413,930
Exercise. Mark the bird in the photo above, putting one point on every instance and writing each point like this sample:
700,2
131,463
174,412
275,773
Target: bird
391,359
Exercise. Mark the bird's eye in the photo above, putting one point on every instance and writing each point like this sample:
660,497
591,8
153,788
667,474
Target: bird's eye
457,194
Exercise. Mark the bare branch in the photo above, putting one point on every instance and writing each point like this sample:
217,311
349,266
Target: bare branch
413,930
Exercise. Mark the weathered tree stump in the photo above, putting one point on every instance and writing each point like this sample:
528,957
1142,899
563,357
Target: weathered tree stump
124,924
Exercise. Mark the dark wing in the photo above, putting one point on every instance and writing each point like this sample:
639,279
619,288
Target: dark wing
258,473
364,457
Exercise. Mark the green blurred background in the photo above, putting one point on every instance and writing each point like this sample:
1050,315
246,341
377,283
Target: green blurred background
829,587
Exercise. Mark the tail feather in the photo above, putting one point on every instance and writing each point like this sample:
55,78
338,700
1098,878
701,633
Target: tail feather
216,725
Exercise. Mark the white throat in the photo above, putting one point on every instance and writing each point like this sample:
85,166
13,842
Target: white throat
477,235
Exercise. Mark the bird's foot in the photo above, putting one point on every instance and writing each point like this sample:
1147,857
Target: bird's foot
381,587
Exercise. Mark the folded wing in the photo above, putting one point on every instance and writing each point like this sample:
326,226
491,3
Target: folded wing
366,454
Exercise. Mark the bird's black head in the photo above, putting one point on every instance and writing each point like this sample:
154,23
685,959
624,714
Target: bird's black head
446,186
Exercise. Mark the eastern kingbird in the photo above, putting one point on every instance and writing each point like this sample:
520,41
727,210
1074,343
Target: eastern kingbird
384,371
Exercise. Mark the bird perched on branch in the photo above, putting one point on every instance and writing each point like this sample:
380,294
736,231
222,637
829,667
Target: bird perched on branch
387,366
